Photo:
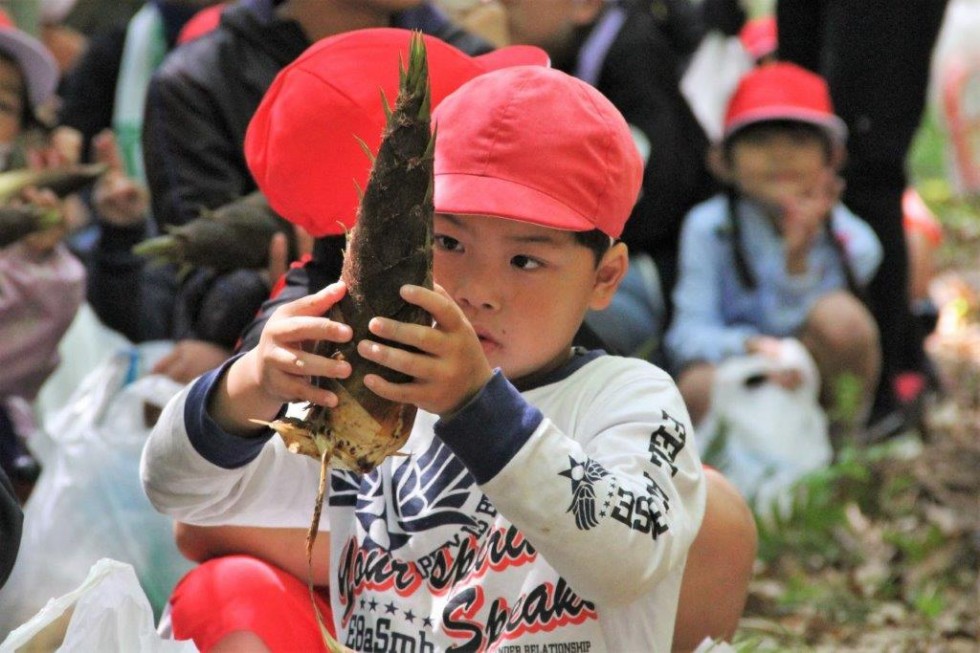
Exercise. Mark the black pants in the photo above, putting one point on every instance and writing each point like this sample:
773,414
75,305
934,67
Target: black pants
875,55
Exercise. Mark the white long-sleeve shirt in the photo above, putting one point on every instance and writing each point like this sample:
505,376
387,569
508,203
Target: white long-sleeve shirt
559,516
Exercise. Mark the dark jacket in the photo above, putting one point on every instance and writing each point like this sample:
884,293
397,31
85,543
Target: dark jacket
11,524
151,301
201,99
639,71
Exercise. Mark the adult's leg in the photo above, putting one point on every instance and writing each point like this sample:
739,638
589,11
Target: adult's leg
719,568
876,58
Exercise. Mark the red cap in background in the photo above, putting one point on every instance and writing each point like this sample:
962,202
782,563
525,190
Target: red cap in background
783,91
302,143
759,37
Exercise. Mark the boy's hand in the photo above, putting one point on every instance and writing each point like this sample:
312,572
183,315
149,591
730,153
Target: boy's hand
62,148
189,359
804,216
280,370
450,366
41,243
285,367
770,347
119,199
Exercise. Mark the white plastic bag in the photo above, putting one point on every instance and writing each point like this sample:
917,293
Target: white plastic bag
107,612
711,77
89,502
762,436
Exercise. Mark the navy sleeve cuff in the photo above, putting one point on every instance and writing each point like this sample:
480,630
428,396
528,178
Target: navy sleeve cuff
487,432
210,440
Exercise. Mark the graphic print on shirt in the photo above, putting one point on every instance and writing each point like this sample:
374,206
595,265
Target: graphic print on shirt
429,563
584,476
439,553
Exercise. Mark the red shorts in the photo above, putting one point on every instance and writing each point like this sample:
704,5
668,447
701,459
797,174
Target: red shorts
242,593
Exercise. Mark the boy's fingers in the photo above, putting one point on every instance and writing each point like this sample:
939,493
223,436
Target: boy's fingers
318,302
295,389
307,327
399,360
419,336
301,363
397,392
107,150
436,302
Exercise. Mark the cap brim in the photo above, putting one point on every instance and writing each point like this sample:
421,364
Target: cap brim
467,194
38,65
832,125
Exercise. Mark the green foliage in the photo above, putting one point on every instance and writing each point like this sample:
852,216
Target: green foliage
805,526
929,601
847,401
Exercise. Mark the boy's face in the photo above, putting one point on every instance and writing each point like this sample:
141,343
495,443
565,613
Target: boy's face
11,101
524,288
773,166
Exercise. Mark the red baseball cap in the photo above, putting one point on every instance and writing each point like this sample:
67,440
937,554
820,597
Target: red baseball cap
302,143
783,91
759,36
539,146
38,66
203,22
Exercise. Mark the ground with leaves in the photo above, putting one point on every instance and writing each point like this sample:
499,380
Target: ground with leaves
881,550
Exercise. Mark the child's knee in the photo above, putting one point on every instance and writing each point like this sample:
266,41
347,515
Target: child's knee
729,521
839,322
719,567
695,384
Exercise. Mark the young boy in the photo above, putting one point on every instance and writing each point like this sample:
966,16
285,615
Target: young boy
547,495
627,52
778,255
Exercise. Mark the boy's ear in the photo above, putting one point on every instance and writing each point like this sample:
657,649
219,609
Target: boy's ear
584,12
838,157
609,274
718,164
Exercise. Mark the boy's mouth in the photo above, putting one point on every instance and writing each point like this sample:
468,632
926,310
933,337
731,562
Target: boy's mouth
486,339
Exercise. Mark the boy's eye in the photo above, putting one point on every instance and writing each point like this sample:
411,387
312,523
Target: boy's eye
446,243
9,108
523,262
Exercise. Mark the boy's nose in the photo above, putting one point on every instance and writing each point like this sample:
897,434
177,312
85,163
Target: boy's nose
478,291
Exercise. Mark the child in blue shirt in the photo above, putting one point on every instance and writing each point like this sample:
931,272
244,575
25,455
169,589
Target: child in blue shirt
777,255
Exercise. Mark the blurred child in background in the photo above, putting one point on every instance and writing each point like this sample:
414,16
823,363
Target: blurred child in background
41,282
777,255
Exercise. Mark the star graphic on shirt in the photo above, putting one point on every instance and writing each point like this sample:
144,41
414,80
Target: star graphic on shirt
362,603
373,605
427,622
409,616
391,609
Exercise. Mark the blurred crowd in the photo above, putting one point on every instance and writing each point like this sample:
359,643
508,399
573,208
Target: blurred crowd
779,255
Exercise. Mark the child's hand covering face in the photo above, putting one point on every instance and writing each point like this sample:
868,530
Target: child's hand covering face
449,367
804,213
